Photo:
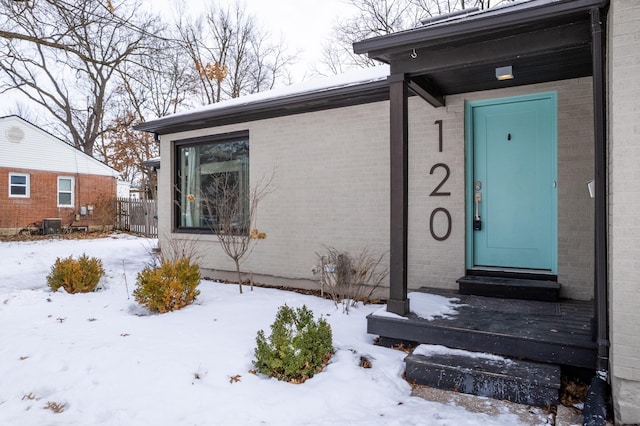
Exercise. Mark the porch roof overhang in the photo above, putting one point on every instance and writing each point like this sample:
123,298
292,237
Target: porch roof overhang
542,40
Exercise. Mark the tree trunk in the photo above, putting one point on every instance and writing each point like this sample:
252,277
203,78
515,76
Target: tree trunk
239,277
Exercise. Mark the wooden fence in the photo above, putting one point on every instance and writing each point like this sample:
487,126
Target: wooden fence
138,216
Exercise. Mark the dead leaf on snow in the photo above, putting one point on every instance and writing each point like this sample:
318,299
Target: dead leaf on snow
55,407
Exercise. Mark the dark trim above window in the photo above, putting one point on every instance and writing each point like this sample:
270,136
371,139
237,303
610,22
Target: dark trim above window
218,138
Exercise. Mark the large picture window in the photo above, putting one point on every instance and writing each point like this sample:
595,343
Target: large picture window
19,185
212,191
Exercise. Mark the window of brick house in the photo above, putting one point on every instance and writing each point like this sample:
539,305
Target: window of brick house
19,185
65,191
209,168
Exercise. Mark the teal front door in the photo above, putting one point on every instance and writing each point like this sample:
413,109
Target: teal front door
512,183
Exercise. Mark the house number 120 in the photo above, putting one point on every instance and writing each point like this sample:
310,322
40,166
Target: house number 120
437,192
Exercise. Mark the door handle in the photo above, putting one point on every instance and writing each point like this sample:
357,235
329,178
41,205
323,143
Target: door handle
477,223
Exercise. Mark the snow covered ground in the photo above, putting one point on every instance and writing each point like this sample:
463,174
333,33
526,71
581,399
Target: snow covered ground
103,360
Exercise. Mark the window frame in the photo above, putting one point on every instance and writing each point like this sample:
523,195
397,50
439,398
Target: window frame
71,192
27,185
216,139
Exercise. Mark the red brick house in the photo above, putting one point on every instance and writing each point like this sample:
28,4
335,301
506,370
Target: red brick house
47,184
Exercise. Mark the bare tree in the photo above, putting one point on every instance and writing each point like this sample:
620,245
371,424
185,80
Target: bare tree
271,66
23,110
371,18
63,56
382,17
232,214
155,86
232,55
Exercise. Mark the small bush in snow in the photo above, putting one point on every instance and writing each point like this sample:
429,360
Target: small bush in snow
76,276
297,348
169,287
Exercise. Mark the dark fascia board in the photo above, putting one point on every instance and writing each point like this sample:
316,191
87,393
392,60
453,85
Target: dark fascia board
154,163
354,94
480,23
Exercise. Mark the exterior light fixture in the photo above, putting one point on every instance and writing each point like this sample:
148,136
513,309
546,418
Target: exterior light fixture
504,73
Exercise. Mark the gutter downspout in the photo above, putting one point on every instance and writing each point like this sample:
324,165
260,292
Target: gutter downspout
595,411
601,195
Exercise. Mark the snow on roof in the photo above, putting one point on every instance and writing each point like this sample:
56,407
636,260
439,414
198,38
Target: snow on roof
350,78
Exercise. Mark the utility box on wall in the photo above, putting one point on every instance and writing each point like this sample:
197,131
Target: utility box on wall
51,226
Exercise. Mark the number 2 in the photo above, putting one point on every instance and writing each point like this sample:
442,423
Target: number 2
436,192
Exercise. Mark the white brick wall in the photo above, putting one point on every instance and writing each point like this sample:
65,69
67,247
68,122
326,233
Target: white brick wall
624,207
332,187
441,263
332,179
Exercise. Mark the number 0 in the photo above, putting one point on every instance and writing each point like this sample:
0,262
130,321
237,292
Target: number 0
433,215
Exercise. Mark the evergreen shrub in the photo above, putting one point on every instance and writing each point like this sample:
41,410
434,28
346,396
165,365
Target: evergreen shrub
297,348
169,287
75,275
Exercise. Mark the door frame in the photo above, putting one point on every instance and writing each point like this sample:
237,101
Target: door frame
552,97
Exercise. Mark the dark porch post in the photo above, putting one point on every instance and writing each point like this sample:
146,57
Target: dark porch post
399,141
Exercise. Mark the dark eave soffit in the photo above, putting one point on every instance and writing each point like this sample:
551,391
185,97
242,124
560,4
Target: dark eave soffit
483,26
550,42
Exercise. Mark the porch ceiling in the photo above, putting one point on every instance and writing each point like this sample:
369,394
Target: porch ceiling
543,40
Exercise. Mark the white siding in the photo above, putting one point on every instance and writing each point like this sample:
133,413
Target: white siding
39,150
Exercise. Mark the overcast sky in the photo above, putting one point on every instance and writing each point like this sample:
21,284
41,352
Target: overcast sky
304,24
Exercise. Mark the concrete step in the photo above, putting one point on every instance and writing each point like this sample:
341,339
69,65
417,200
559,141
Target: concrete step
522,382
509,288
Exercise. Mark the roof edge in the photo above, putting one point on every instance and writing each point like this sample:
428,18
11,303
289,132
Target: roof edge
301,102
484,21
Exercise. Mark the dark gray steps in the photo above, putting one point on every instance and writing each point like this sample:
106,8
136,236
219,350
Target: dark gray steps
509,288
513,328
522,382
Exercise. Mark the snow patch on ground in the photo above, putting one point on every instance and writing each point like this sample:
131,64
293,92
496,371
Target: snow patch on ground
107,361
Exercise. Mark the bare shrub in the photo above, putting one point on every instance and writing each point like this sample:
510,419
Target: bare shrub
174,248
348,279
